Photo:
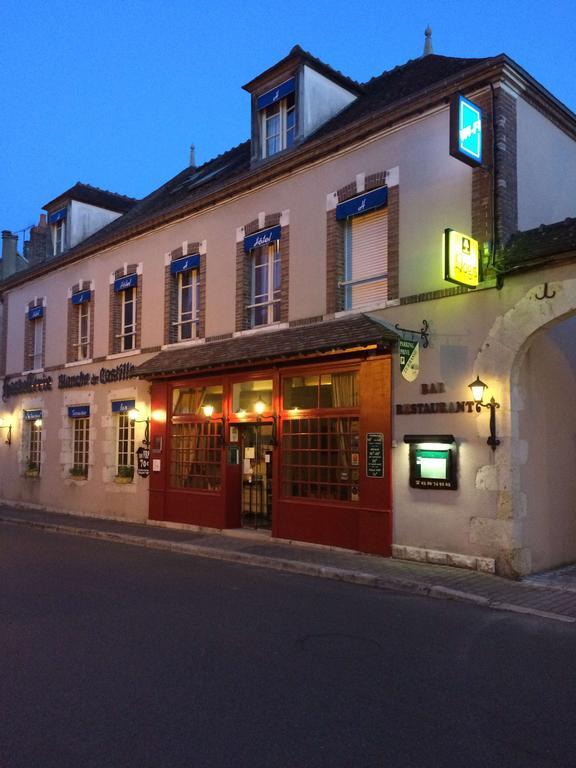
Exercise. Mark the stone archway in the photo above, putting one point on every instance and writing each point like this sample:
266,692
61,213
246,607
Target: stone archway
499,361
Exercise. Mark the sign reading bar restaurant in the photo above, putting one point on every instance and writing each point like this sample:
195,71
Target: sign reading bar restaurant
461,262
105,376
465,130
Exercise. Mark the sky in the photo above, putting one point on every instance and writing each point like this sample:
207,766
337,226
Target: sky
112,93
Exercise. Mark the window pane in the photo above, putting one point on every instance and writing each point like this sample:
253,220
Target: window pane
196,455
246,393
189,401
320,458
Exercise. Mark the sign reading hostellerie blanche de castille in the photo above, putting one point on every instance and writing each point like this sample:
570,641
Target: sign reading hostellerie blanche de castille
105,376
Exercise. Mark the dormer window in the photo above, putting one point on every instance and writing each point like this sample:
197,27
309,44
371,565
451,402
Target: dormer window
57,222
277,109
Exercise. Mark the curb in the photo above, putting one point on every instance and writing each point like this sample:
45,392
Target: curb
392,583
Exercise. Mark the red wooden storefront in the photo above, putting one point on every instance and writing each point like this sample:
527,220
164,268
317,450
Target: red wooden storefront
285,446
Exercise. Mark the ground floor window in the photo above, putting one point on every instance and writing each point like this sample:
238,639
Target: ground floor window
125,446
34,443
196,455
321,457
80,446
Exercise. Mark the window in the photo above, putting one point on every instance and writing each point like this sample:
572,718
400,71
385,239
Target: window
37,343
366,259
278,126
58,232
33,441
80,446
266,281
188,304
125,445
196,442
321,457
128,319
327,390
83,341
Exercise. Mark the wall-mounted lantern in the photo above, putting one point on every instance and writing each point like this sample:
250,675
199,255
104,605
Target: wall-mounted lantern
5,424
478,388
134,416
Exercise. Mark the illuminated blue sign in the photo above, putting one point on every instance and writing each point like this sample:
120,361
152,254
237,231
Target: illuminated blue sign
80,297
35,313
276,94
362,204
123,406
465,130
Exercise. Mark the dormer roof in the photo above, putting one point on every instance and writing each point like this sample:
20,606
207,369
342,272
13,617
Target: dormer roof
101,198
296,58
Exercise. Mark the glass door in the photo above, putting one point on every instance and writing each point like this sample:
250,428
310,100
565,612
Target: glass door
256,446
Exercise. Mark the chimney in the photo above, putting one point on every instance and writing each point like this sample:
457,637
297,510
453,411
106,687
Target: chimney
37,250
192,156
9,254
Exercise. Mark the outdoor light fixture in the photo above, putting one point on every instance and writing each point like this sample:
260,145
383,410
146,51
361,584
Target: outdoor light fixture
241,413
208,411
38,423
5,424
260,407
133,415
478,388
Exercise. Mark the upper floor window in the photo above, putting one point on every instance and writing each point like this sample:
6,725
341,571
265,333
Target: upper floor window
34,337
128,319
185,279
188,304
266,285
365,275
80,323
277,109
125,311
57,223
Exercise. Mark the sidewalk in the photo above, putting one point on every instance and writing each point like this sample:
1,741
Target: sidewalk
539,597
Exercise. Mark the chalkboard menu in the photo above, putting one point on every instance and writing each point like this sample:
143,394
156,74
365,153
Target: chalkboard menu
374,454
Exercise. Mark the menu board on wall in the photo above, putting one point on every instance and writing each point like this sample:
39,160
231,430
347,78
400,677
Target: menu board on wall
374,454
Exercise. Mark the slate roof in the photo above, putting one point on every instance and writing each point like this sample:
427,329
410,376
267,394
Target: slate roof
86,193
321,337
548,242
192,184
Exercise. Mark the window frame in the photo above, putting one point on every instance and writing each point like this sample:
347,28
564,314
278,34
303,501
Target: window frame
273,265
59,233
34,444
37,355
125,441
349,283
83,340
286,134
193,321
81,445
128,330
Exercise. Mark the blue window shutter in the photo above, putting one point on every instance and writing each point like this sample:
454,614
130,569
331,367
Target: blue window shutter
264,237
80,297
276,94
183,265
78,411
123,406
378,198
123,283
35,313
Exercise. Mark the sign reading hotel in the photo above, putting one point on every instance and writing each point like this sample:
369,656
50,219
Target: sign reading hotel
461,260
465,130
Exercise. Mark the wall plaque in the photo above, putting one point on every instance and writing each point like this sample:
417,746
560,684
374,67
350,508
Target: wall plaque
374,454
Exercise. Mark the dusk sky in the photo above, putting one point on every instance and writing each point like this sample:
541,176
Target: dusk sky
113,93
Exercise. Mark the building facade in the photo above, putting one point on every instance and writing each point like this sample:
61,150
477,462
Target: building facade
283,321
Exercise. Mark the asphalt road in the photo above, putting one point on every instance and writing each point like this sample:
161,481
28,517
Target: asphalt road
114,656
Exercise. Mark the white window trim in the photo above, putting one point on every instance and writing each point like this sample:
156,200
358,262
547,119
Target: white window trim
272,254
283,135
194,318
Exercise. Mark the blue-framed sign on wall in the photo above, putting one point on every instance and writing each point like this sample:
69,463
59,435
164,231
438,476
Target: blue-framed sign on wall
78,411
466,130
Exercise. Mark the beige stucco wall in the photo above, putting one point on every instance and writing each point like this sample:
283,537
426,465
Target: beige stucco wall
546,169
